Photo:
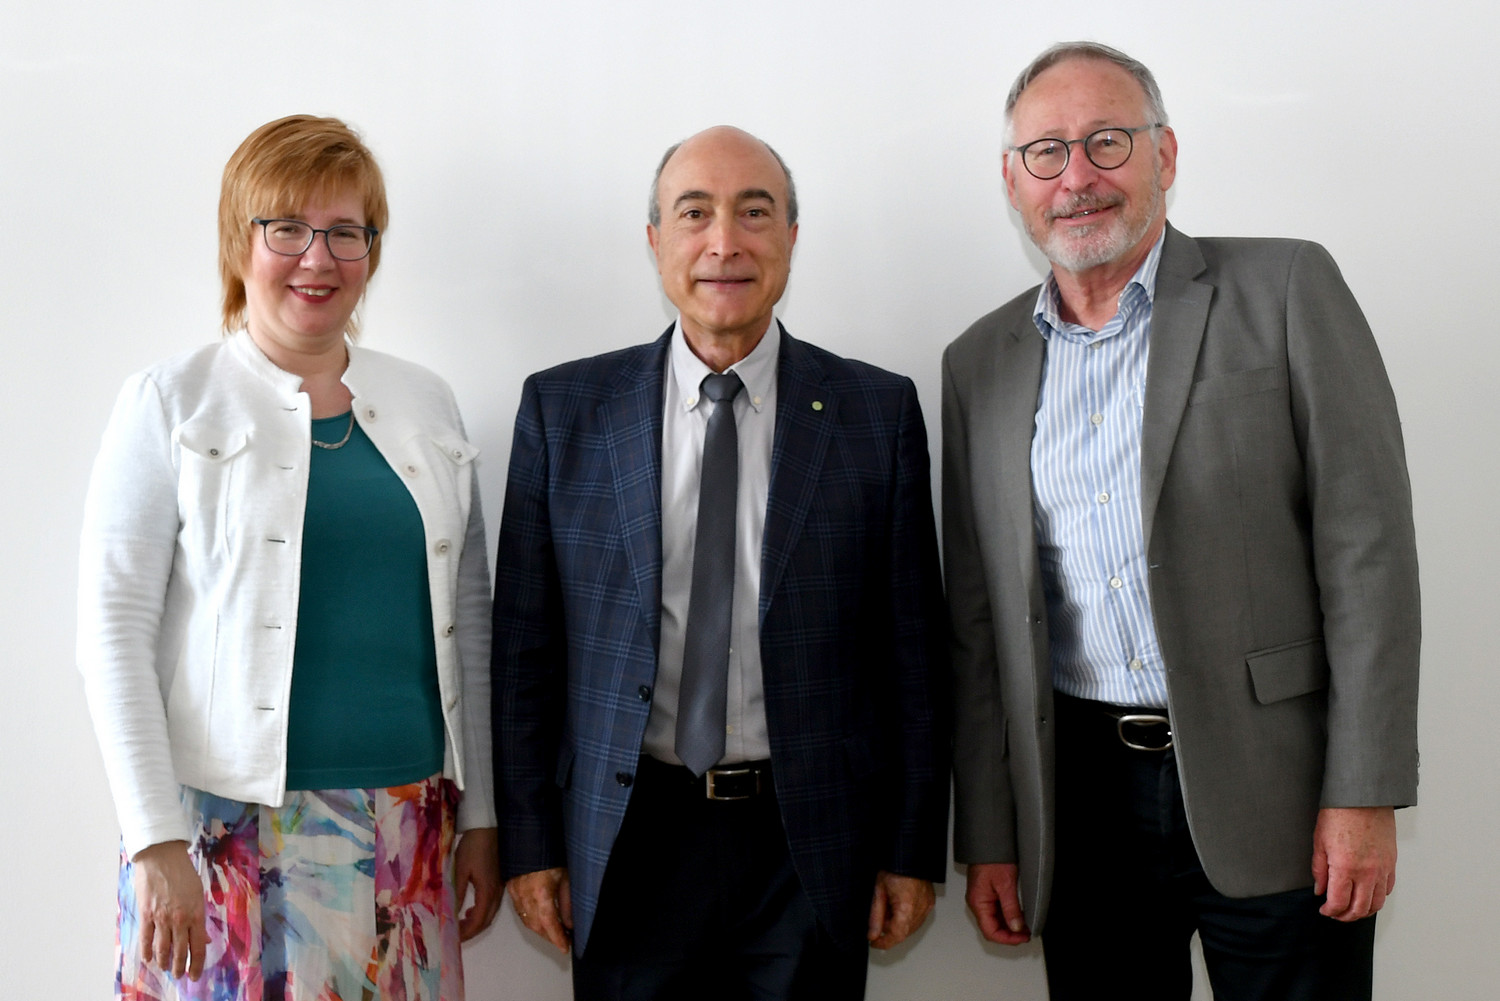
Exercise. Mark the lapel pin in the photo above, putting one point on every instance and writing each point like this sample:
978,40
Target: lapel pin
817,404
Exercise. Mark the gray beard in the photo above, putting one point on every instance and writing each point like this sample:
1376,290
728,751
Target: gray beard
1080,252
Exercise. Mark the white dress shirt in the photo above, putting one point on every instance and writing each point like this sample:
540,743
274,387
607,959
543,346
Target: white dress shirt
684,425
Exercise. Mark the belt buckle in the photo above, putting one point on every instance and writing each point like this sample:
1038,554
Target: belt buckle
711,787
1143,719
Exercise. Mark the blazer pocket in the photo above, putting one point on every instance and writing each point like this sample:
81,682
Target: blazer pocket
564,774
212,443
1232,384
1286,671
459,451
211,483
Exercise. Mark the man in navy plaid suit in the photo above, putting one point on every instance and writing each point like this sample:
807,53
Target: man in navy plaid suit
821,826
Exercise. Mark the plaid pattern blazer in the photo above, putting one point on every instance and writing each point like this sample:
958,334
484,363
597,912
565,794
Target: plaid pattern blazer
851,624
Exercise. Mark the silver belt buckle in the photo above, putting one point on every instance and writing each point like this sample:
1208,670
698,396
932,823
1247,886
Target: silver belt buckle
1143,719
711,787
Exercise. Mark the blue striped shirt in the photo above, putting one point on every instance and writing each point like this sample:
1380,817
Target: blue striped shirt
1086,491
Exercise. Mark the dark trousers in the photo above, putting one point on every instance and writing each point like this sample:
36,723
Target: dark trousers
1129,892
700,900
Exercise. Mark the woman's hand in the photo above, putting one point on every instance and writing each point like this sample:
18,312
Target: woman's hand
169,903
476,863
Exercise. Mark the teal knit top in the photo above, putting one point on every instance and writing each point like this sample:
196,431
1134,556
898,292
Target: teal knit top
365,710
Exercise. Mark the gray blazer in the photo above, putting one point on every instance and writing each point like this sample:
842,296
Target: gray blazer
1277,519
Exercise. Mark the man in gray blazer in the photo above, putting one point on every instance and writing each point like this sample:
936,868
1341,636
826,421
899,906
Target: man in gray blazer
1182,580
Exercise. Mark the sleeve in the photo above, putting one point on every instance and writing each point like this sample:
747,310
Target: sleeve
477,808
920,658
1364,546
529,658
984,804
126,555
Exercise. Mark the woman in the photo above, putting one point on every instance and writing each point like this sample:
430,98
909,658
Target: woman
284,625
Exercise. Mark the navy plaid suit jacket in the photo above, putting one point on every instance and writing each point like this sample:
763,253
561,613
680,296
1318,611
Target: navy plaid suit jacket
851,630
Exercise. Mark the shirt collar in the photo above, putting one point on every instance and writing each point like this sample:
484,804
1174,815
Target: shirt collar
1140,290
757,370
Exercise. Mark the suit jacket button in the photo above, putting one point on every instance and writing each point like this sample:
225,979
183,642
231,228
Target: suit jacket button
624,778
644,692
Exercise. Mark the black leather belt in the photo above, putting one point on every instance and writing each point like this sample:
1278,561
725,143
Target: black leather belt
729,783
737,781
1143,731
1140,728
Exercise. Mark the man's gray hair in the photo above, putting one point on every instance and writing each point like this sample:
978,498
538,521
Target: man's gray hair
1156,109
653,205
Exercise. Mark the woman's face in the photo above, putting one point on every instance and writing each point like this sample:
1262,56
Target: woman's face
300,305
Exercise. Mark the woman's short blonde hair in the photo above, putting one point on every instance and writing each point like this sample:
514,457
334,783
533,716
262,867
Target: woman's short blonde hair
278,170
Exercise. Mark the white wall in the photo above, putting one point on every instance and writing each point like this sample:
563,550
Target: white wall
518,141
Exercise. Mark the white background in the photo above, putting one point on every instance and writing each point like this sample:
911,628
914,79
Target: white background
518,143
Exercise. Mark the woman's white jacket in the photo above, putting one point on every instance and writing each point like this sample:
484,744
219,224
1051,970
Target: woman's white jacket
190,565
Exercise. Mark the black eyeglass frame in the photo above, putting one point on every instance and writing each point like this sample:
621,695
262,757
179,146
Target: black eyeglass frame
265,237
1068,144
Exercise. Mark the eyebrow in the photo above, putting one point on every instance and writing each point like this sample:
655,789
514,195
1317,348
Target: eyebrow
1091,127
749,194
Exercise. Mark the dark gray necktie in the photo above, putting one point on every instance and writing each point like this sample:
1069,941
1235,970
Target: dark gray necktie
705,658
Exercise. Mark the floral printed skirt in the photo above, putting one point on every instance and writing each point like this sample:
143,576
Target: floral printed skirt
338,895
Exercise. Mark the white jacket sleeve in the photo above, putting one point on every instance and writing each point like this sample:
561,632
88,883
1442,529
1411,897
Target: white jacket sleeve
477,809
126,555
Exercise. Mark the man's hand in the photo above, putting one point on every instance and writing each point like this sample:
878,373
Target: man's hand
476,864
169,902
1354,860
993,898
544,904
900,905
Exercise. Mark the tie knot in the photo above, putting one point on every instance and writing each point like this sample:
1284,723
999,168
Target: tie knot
721,387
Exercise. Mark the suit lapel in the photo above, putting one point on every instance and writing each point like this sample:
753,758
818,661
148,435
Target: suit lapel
631,424
1179,315
1003,425
806,414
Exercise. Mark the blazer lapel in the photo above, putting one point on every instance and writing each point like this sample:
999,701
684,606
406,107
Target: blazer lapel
1178,317
1003,423
631,423
806,414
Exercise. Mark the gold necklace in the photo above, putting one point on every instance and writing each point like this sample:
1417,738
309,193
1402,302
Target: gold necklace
342,441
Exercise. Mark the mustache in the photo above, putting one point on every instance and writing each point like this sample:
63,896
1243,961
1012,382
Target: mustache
1083,202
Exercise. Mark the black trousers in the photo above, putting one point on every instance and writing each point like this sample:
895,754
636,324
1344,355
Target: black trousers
700,901
1129,892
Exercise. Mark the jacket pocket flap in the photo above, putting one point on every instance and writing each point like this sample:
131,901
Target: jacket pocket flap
1231,384
564,774
211,442
456,449
1287,671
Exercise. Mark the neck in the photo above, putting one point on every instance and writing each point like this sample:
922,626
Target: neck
720,350
321,372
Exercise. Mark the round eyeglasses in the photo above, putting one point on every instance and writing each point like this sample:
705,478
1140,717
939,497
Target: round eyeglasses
1106,149
292,237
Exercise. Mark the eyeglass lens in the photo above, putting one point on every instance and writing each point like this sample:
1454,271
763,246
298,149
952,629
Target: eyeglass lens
1106,149
292,238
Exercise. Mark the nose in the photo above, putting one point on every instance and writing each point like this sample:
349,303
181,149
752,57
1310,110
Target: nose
722,238
1080,172
317,256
